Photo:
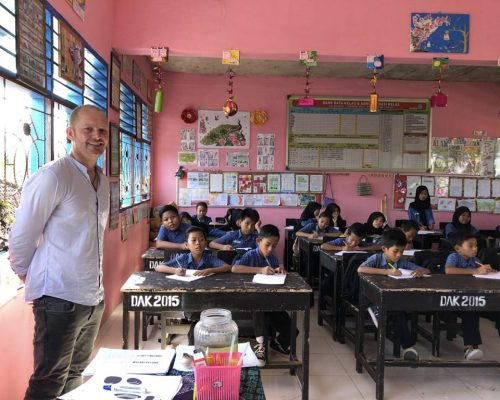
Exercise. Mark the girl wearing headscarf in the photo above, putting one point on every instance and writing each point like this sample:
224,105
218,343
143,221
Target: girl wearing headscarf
461,221
338,222
374,227
420,210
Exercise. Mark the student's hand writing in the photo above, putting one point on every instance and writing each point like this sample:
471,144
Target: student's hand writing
418,273
267,271
313,235
280,270
483,268
202,272
180,271
394,271
227,247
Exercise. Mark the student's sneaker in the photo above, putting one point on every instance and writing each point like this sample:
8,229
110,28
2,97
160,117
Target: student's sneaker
473,354
279,346
260,352
373,311
410,354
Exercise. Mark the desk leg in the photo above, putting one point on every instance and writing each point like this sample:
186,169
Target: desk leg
382,325
321,302
137,323
360,333
336,315
293,340
305,356
163,333
125,325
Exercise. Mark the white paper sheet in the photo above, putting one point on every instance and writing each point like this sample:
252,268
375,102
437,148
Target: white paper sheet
276,279
405,274
339,253
410,253
189,277
491,275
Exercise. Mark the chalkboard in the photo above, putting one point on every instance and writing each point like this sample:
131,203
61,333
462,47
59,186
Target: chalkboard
340,133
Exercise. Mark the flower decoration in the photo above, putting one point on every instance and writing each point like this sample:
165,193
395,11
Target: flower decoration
258,117
189,115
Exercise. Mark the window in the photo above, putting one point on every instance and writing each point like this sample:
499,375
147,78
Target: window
127,109
8,36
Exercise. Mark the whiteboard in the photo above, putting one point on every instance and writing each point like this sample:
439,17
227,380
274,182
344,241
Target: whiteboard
339,133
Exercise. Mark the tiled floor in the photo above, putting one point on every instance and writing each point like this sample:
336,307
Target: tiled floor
333,375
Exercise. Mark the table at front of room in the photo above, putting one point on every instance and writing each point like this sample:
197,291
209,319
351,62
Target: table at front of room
153,292
435,293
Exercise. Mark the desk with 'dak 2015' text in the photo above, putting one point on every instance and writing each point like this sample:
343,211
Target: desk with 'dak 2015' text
153,292
435,293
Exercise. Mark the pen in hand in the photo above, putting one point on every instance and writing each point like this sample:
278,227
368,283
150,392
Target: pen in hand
181,271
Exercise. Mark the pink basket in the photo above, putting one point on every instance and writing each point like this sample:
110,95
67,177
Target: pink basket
218,382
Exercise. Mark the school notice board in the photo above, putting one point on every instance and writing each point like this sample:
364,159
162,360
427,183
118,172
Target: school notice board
339,133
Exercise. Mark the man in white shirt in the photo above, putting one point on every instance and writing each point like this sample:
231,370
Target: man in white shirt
55,247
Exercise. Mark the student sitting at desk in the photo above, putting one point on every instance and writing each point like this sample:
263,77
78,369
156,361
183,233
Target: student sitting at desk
410,229
201,213
322,227
388,263
464,262
262,261
461,221
420,210
203,263
233,220
310,213
337,221
172,234
245,237
375,226
187,219
352,241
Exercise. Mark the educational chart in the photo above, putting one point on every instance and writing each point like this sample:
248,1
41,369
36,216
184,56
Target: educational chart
341,134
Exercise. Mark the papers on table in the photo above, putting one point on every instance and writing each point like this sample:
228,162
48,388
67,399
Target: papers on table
276,279
130,361
349,251
428,232
249,358
410,253
405,274
189,277
491,275
113,385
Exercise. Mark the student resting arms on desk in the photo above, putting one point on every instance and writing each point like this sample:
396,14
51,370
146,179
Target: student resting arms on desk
461,221
244,237
464,262
388,263
172,234
420,210
322,227
262,261
375,226
410,229
338,222
309,214
353,240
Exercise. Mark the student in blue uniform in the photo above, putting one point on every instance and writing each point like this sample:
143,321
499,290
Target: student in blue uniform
262,261
245,237
461,221
389,263
172,234
201,213
310,213
352,241
375,226
410,229
321,227
338,222
420,210
464,262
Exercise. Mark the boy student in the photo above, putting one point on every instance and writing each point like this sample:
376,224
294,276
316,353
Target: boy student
201,213
464,262
389,263
196,259
262,261
321,227
352,241
244,237
410,229
172,234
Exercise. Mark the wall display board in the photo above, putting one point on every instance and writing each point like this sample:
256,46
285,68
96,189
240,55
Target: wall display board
339,133
250,189
448,193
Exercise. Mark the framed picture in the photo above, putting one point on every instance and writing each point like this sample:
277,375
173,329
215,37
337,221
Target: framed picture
114,149
71,59
114,98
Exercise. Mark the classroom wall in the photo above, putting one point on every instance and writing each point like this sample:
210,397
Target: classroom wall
120,258
278,29
470,106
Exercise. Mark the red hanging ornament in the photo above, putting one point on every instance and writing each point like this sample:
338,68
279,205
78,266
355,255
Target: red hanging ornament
189,115
230,107
439,99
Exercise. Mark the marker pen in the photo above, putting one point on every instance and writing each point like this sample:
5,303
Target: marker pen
126,389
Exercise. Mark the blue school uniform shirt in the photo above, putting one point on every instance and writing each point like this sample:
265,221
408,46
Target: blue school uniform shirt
342,241
308,221
378,261
450,228
313,228
205,220
186,261
236,239
414,215
253,258
178,236
460,261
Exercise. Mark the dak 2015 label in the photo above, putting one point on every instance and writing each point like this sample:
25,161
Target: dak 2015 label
156,300
462,301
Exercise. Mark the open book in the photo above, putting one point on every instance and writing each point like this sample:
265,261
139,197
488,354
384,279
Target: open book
276,279
491,275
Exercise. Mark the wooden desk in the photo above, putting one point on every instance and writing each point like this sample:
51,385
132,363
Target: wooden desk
436,293
425,240
288,249
309,258
328,302
152,292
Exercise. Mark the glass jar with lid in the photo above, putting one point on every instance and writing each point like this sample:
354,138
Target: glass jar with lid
216,330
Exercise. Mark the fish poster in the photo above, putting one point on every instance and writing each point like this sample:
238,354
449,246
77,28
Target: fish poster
215,130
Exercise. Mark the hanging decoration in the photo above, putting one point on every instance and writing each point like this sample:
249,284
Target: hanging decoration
374,62
159,55
309,58
189,115
230,107
258,117
439,99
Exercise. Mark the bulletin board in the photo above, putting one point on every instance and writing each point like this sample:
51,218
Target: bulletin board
339,133
250,189
449,192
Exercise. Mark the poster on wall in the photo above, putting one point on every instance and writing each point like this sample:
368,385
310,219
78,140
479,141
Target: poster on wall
244,183
71,59
259,183
31,42
237,159
230,182
215,130
439,33
265,151
188,139
273,183
198,180
187,157
208,158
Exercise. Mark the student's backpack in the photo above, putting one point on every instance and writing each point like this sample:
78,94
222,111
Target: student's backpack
434,261
350,277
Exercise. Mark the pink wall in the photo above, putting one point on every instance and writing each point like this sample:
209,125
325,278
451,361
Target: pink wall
278,29
471,106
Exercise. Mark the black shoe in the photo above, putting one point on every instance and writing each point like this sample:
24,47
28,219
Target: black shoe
280,346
